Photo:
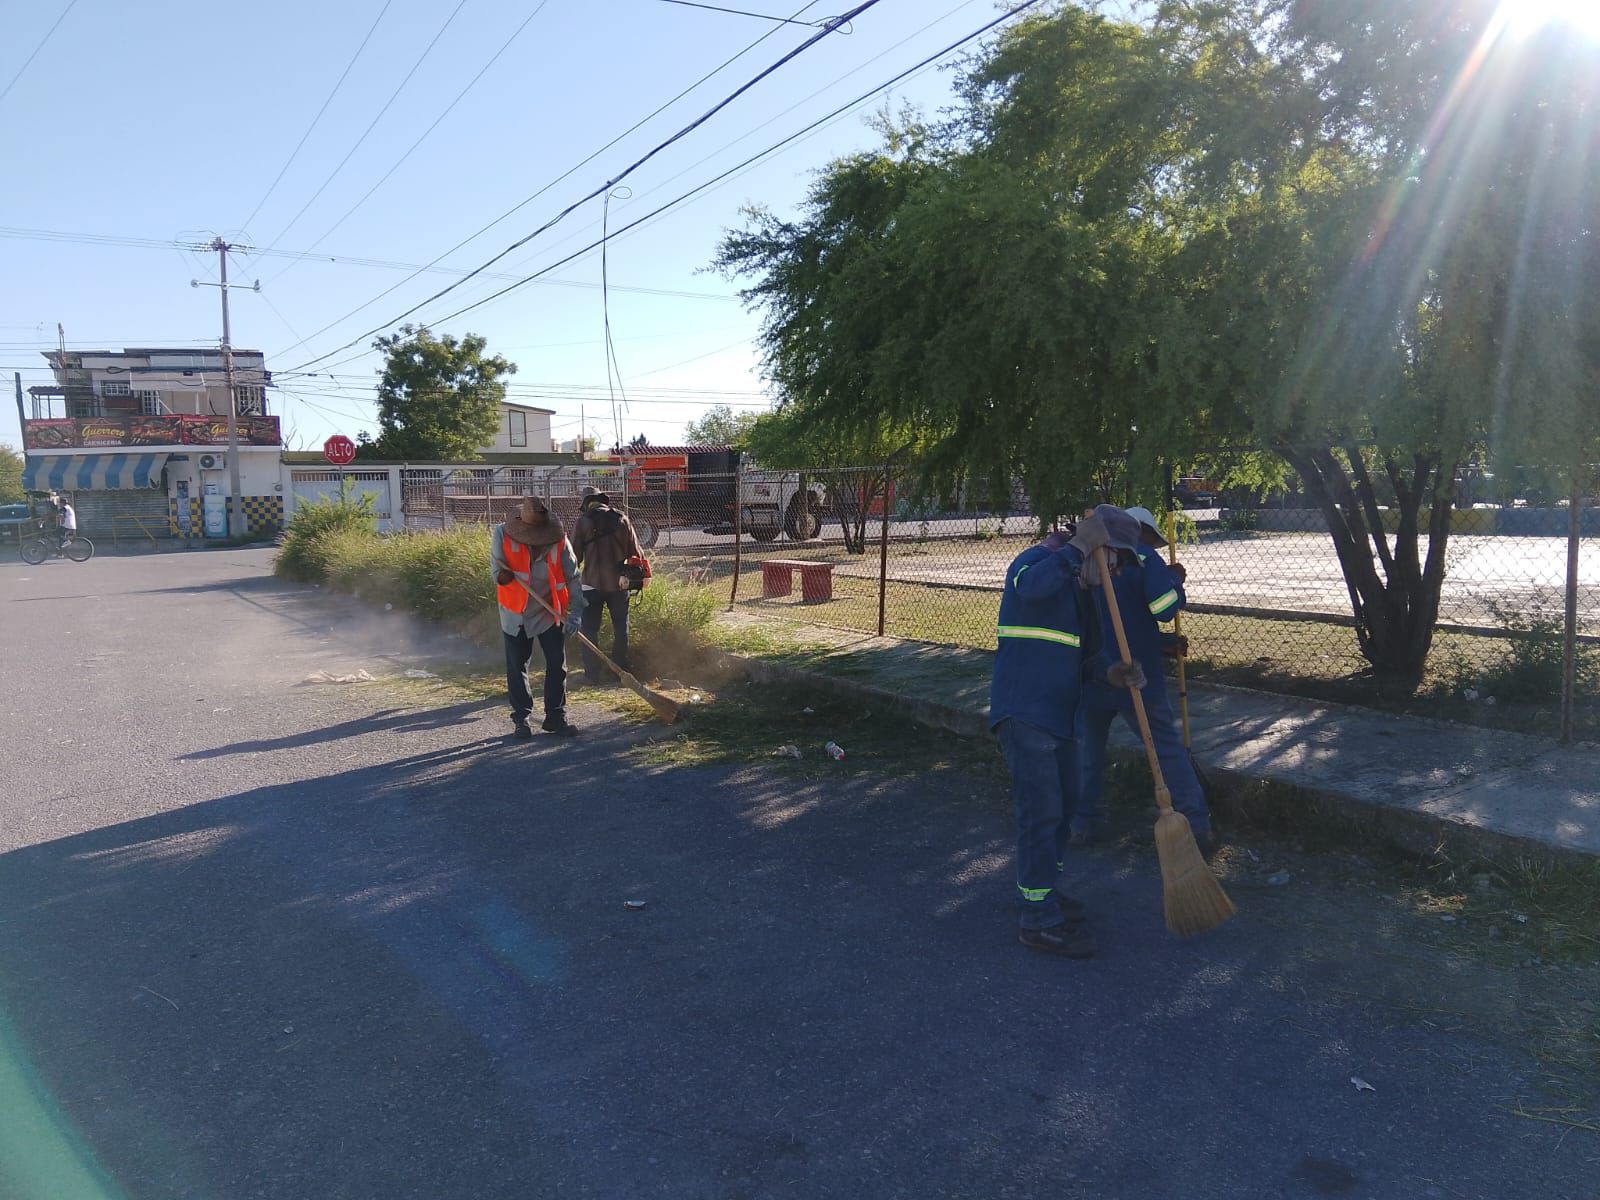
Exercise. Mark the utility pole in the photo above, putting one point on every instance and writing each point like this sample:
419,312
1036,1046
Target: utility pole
235,507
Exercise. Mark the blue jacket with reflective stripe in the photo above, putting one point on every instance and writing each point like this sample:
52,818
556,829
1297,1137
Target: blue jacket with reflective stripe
1144,596
1039,659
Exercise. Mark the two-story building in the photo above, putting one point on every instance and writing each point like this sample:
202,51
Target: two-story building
138,438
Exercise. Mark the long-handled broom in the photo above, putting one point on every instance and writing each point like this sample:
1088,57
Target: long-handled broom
664,707
1193,899
1207,788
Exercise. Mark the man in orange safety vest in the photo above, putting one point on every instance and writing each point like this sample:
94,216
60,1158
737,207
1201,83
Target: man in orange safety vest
534,569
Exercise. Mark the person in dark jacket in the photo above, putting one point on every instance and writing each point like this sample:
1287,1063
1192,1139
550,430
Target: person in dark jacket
1149,592
604,541
1045,619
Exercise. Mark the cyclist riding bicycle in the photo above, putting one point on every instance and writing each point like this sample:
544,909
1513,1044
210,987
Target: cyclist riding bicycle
66,523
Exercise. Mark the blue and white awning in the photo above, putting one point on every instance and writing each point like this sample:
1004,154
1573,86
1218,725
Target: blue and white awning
92,472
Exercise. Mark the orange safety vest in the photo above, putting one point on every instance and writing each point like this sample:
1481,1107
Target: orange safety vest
514,596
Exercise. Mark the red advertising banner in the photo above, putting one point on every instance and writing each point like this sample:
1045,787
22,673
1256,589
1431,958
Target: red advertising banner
164,430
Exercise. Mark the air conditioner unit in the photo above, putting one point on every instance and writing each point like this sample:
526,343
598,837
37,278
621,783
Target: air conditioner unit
212,462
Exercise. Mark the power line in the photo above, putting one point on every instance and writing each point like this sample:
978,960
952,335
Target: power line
449,108
570,171
345,74
28,62
428,49
106,239
856,70
772,149
739,12
616,179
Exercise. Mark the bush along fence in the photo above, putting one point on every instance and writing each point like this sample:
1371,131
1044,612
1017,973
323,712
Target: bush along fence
1517,643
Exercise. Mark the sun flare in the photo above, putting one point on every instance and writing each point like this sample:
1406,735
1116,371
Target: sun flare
1531,16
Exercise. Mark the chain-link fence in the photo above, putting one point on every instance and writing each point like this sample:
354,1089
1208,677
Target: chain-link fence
1268,602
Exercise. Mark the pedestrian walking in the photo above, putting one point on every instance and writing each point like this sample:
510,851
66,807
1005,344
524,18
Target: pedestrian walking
1045,619
1149,592
533,564
613,568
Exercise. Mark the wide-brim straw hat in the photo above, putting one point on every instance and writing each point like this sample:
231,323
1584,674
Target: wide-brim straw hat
546,534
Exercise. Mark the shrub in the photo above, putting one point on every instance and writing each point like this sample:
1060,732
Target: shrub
668,607
302,558
1531,668
1240,520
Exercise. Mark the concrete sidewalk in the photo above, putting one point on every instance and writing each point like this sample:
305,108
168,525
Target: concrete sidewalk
1429,786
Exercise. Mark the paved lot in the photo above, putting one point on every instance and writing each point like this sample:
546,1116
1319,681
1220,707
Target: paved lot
259,939
1299,572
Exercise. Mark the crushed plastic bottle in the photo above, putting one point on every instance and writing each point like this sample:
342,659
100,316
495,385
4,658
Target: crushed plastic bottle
835,751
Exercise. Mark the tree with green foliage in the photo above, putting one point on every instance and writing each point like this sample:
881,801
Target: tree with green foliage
438,397
1354,232
11,466
719,425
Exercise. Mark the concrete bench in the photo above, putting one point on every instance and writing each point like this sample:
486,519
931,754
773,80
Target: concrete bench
816,579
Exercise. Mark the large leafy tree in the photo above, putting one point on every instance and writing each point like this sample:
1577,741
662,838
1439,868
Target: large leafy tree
439,397
1354,232
719,425
11,465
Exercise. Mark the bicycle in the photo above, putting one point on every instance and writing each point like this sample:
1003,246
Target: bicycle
36,550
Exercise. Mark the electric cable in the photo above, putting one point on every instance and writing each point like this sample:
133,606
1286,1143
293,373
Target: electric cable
610,183
428,49
28,62
673,203
570,171
449,108
298,146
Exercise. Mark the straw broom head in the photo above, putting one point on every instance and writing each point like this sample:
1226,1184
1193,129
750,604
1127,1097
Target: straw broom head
1194,900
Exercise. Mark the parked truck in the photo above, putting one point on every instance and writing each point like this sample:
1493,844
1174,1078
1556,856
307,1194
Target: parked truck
693,487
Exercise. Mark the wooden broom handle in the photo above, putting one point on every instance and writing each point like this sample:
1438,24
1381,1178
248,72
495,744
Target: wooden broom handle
577,633
1163,797
1177,631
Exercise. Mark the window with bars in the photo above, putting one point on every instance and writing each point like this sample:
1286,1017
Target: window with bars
115,387
251,399
150,404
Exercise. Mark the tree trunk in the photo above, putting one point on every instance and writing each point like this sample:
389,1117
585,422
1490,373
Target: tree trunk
1394,588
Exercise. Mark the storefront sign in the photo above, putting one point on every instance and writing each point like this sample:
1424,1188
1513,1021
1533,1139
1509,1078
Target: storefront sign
163,430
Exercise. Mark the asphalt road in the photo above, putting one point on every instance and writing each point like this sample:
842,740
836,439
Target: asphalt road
262,939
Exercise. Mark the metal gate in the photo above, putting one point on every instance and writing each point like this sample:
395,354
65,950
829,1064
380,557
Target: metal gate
311,486
136,512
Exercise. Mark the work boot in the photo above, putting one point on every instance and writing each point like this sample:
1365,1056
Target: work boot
559,726
1072,910
520,730
1068,939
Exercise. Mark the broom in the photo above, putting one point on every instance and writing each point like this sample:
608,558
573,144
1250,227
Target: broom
665,708
1193,899
1207,789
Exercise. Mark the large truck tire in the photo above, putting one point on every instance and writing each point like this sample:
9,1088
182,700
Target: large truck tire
801,522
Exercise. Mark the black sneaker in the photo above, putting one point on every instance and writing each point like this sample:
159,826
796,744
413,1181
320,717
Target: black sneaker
520,731
559,726
1067,939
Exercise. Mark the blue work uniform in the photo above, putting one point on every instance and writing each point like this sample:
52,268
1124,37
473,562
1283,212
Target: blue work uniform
1033,701
1146,595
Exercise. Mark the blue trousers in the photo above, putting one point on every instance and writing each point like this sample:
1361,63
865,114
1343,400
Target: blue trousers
1099,706
1043,790
519,649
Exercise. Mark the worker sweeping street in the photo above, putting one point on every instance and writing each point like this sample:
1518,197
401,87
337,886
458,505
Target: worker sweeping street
1149,592
1045,618
533,567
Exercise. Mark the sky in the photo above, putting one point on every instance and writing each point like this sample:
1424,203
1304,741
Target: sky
167,123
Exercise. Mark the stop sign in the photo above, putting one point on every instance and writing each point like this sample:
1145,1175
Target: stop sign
339,450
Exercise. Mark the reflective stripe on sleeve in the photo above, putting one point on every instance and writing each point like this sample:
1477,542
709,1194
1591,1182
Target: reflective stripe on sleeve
1162,603
1042,635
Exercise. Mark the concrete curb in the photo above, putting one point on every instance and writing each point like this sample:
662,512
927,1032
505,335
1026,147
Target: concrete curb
1434,828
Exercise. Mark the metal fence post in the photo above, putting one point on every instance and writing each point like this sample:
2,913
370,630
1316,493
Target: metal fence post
883,552
738,530
1569,647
